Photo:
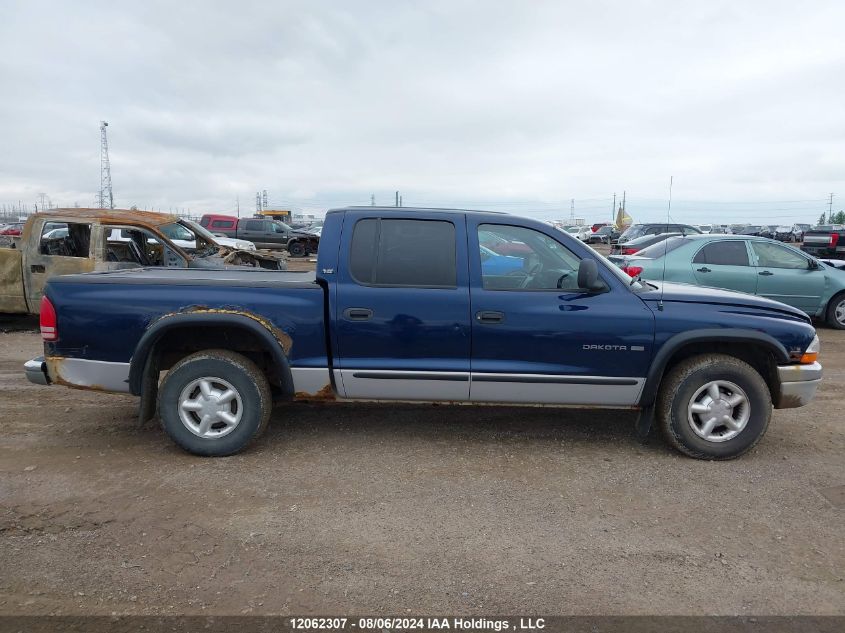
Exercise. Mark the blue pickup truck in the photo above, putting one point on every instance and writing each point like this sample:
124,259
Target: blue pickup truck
418,305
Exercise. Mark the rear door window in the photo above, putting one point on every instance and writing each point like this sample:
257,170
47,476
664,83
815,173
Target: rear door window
400,252
727,253
254,225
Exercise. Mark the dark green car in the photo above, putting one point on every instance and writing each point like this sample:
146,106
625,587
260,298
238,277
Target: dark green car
749,264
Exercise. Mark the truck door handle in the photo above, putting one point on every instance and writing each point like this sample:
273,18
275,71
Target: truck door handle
766,273
38,268
703,269
358,314
489,316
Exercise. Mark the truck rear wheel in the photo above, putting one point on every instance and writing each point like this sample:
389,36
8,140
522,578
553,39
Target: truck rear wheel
713,406
214,402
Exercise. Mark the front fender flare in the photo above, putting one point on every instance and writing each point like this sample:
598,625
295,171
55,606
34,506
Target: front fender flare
714,335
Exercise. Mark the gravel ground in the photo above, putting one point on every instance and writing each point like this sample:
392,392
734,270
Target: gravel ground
426,509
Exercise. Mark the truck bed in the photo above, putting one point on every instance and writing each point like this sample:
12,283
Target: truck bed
104,314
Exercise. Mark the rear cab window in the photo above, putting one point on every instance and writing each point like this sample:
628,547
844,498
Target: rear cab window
71,239
398,252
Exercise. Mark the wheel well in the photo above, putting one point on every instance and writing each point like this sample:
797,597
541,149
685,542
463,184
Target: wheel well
179,342
759,357
831,301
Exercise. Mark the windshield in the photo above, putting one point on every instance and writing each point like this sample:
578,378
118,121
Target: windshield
201,231
661,248
631,232
176,231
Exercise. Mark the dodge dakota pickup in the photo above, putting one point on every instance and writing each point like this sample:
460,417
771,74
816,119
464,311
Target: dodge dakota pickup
409,305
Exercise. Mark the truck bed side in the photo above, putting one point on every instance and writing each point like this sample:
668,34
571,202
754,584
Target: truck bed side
104,316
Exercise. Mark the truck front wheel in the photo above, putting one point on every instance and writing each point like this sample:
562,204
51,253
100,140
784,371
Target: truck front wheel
713,406
296,249
214,402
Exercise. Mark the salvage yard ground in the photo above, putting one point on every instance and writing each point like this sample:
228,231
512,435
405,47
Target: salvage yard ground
428,509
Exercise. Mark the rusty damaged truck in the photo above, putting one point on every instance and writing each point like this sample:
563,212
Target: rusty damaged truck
67,241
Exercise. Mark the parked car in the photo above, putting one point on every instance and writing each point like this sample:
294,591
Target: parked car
638,244
825,240
401,308
501,245
83,240
753,230
12,229
746,264
737,229
605,235
798,231
264,233
595,227
582,233
217,223
190,244
638,230
768,231
705,228
783,233
316,228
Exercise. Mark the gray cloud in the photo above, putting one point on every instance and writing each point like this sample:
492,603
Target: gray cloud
505,103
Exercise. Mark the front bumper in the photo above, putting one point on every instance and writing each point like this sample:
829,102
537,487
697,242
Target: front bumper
798,384
36,371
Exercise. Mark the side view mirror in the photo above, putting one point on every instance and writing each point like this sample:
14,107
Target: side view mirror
813,265
588,276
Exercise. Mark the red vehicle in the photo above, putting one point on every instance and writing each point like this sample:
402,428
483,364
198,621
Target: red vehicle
598,225
12,230
501,246
214,222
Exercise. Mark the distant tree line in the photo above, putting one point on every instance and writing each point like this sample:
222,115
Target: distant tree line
832,218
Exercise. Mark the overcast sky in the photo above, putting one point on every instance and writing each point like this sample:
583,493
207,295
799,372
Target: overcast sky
507,105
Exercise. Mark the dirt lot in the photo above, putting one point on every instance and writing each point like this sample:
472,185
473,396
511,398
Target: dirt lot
361,509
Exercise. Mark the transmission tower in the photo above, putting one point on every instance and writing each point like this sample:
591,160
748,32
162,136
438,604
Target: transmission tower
105,199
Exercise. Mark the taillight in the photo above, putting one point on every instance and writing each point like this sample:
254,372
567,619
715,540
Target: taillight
49,328
834,239
629,250
632,271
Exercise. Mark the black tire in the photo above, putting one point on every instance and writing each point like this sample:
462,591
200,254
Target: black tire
676,395
830,313
296,249
254,401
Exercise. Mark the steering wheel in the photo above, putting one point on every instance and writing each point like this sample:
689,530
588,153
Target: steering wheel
528,275
561,279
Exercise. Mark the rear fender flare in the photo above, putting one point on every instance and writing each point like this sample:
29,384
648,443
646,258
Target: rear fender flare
276,343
